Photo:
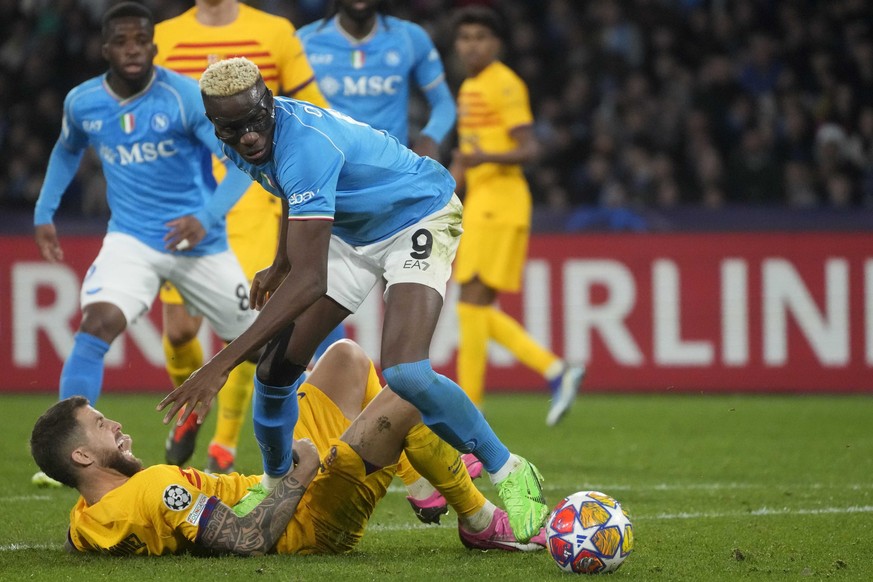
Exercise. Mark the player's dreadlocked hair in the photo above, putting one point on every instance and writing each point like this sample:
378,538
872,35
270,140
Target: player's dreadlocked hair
125,10
229,77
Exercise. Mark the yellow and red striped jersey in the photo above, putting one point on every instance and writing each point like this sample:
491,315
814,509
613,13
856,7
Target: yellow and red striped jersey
188,47
490,106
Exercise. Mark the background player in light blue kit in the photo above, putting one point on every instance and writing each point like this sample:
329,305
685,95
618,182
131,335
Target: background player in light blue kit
366,62
362,207
148,126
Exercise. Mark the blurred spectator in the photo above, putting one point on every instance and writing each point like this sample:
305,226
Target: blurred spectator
794,135
760,72
672,102
839,190
753,174
859,150
799,185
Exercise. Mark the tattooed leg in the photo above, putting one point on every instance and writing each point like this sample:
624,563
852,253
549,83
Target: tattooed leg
378,433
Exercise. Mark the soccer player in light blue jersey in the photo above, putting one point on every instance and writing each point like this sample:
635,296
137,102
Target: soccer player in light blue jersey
366,62
361,207
148,126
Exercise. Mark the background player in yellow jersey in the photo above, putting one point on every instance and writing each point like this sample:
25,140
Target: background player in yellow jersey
495,135
210,31
318,507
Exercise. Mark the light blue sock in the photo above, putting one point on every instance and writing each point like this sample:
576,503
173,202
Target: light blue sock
338,333
82,374
447,411
274,413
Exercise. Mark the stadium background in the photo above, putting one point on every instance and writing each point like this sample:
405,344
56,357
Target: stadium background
703,209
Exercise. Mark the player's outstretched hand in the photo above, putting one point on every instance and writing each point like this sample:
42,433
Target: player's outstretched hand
47,241
265,282
185,233
195,394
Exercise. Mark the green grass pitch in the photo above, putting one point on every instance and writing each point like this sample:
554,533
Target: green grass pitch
717,487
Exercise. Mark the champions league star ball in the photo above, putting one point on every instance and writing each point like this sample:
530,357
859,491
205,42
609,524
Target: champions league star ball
589,533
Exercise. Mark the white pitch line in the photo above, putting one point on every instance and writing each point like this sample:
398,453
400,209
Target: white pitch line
25,498
707,486
761,512
400,526
18,547
396,488
657,487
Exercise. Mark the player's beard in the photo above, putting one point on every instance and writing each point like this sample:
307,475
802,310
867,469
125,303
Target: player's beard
124,464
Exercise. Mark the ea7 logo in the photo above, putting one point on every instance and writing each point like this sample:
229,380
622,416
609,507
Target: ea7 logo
92,126
320,58
300,198
414,264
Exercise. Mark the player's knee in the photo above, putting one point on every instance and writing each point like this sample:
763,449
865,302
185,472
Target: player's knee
179,338
262,368
181,331
411,381
346,353
282,373
105,324
274,369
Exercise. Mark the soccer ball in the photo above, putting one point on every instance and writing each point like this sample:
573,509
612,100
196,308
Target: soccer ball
589,533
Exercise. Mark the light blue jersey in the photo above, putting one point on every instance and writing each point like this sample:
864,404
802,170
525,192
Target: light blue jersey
370,78
331,167
156,149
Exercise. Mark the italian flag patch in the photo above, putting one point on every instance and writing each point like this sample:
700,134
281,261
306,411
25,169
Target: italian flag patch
358,59
128,123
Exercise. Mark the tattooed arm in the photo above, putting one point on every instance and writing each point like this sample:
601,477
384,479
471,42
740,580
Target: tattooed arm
257,532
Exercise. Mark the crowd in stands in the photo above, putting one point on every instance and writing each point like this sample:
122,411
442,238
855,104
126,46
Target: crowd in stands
638,103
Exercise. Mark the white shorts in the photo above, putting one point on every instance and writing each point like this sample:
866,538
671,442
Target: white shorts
129,274
422,253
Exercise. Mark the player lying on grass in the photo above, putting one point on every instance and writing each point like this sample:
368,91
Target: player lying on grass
321,506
